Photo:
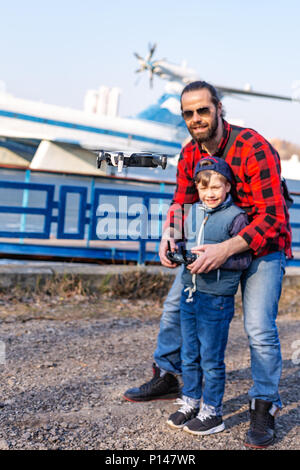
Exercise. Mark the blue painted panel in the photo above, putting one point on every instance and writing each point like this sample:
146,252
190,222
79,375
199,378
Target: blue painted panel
44,211
64,191
143,196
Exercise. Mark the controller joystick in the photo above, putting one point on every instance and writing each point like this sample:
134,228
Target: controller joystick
181,256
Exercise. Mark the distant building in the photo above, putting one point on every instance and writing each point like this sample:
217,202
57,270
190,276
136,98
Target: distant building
291,168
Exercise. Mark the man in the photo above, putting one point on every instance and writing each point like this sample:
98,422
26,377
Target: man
256,167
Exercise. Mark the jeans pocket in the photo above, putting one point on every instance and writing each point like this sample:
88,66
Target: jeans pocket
217,302
283,263
213,307
222,307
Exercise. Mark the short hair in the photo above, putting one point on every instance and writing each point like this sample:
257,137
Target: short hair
200,85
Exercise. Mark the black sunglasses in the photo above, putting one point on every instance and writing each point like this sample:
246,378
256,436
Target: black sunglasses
200,111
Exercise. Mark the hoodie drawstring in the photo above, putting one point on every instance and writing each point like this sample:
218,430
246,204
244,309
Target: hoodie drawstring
200,239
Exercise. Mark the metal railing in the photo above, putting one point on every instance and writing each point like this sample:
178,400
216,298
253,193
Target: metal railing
25,200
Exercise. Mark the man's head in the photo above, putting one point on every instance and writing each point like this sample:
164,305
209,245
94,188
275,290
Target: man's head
213,179
202,110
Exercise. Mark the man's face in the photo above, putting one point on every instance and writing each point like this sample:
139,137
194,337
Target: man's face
200,114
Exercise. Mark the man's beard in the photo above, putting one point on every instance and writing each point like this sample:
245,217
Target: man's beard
210,134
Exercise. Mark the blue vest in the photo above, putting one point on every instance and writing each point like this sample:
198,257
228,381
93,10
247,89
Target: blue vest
216,230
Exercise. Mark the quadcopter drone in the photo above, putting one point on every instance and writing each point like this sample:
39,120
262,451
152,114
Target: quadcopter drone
123,160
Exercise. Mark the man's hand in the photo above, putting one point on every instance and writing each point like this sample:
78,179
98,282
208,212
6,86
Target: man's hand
213,256
163,248
210,257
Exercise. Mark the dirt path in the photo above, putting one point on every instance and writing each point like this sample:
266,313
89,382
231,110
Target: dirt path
67,365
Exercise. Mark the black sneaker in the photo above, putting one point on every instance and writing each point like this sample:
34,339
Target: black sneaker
206,422
262,424
158,388
178,419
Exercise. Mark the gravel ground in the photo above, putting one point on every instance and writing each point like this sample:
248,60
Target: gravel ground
68,363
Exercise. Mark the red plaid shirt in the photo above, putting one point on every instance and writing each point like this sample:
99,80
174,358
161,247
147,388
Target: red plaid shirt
256,166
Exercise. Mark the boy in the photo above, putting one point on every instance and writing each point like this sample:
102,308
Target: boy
207,303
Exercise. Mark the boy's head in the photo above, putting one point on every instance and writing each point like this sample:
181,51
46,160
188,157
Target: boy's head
213,179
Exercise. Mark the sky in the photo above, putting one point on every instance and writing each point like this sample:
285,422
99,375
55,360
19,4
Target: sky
53,51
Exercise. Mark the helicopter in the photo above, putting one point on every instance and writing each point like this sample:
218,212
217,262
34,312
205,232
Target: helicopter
181,75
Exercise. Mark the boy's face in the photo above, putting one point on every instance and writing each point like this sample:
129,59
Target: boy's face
214,193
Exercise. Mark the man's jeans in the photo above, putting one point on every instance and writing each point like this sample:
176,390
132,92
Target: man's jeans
204,326
261,288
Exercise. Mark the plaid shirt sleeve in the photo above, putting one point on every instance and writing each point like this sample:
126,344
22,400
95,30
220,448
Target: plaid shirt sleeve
262,171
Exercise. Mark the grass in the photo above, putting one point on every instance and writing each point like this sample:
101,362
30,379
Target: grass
137,294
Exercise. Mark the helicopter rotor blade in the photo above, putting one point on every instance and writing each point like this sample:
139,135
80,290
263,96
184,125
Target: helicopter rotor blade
145,63
138,56
238,91
151,79
152,48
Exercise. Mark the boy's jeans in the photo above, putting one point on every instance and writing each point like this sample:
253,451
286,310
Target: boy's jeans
261,289
204,326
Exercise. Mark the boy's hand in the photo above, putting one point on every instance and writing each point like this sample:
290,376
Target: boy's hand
163,248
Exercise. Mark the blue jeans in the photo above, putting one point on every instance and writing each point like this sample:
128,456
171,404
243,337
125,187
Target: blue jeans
261,288
204,327
167,354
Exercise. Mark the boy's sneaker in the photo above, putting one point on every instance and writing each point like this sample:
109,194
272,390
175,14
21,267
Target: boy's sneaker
160,387
187,412
206,422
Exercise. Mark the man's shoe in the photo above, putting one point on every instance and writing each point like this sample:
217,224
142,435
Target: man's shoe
262,424
165,387
187,412
206,422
